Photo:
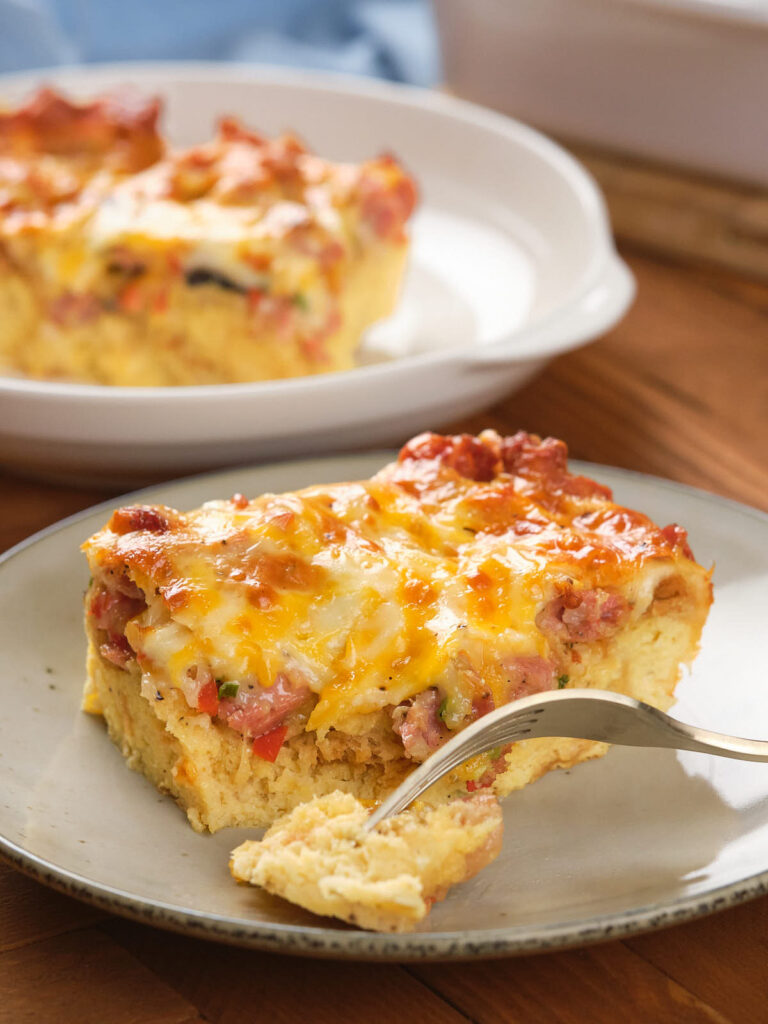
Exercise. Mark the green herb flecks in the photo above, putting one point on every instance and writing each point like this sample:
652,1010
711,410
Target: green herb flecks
562,681
228,690
301,301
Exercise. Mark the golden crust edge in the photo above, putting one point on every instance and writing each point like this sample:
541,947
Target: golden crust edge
215,778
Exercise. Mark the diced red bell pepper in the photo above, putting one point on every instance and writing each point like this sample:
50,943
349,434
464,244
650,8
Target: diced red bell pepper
208,698
255,297
137,517
173,262
132,298
267,747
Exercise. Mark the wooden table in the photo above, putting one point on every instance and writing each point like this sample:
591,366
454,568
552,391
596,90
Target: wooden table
679,389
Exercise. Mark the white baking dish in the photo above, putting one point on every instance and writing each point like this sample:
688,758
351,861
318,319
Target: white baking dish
678,81
512,262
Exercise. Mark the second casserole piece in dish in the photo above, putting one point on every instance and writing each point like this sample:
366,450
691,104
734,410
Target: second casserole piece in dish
251,655
245,258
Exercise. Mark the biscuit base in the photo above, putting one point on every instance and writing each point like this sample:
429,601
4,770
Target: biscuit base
212,773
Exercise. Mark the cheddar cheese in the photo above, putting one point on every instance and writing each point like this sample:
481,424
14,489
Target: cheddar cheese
254,653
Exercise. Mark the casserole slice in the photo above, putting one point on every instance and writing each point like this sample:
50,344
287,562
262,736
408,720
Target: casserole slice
252,654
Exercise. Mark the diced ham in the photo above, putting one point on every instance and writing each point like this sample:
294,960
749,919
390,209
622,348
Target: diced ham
112,606
117,130
191,175
466,455
418,725
281,156
70,309
529,463
384,205
256,712
527,455
275,312
231,130
117,650
304,239
528,674
678,538
525,675
330,254
583,615
138,517
125,586
487,779
483,705
583,487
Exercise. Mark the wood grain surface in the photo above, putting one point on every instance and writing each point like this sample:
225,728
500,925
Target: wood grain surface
679,389
673,211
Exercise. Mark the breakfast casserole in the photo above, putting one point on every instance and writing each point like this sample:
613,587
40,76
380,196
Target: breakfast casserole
386,880
252,654
123,262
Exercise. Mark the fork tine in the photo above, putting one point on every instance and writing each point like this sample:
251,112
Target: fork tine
468,743
598,715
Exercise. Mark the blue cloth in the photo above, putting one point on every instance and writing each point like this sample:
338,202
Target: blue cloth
386,38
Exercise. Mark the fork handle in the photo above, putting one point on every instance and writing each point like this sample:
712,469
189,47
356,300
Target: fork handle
625,721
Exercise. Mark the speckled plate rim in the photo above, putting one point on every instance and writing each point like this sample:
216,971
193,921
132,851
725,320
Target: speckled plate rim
340,943
333,943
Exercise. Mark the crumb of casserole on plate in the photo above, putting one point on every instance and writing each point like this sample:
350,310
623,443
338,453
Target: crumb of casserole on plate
123,262
386,880
253,654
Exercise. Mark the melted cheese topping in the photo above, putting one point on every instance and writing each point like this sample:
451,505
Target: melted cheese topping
58,157
372,592
246,245
232,207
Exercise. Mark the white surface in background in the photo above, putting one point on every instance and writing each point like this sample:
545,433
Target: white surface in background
679,81
751,11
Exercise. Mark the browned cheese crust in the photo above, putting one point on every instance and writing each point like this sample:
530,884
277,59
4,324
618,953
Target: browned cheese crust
252,654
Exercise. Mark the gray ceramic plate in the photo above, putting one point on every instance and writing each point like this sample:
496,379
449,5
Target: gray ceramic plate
638,840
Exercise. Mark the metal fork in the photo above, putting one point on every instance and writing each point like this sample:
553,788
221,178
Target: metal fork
578,713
